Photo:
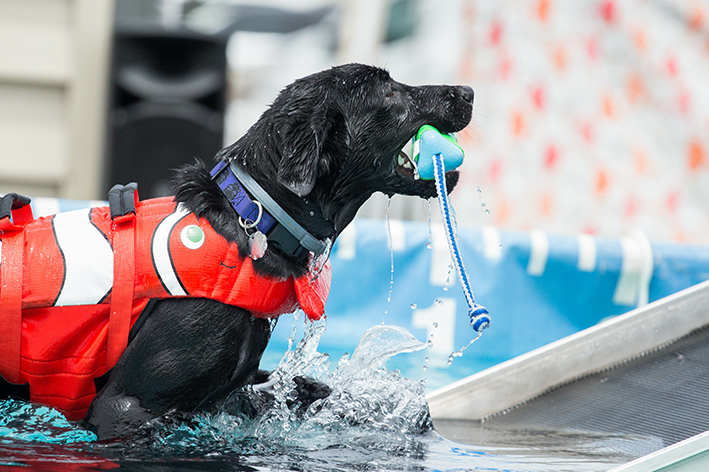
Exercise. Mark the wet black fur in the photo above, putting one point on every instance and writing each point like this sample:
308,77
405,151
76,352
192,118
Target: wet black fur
326,144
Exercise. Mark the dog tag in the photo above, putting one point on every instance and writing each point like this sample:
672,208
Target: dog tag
259,243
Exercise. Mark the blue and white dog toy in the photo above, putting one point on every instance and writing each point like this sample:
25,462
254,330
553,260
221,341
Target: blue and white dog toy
435,153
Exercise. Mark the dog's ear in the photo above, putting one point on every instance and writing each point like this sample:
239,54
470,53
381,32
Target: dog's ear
302,151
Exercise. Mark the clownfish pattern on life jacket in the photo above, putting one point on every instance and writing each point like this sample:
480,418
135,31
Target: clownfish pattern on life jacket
68,285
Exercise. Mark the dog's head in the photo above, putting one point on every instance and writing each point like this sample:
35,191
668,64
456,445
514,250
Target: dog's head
334,138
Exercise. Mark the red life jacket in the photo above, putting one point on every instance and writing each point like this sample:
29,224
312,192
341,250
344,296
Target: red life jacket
87,277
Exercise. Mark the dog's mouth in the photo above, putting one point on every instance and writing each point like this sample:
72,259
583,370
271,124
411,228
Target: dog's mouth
404,178
405,164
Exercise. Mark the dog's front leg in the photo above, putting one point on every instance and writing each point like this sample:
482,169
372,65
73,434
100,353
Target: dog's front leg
188,355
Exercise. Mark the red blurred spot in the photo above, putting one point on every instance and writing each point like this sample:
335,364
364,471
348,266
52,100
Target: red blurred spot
560,58
592,48
543,9
608,107
466,70
495,33
587,131
589,229
683,102
608,11
640,162
671,65
696,19
502,212
551,156
680,236
640,40
631,207
469,12
495,170
672,202
696,155
538,97
518,123
505,68
635,87
547,204
601,182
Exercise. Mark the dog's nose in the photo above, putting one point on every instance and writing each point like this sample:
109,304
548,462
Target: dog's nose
466,93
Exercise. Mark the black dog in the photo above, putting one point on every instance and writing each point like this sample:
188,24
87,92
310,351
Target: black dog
327,143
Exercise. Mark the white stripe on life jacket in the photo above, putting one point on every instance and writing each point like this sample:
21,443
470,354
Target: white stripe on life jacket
88,259
160,249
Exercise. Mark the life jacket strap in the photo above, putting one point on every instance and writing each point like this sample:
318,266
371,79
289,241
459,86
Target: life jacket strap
122,202
12,243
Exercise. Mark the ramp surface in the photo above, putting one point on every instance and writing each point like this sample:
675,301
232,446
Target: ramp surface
661,394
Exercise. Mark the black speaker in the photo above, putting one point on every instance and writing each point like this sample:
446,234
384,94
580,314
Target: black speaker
166,106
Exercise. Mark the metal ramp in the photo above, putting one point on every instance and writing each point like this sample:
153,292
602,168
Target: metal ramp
643,374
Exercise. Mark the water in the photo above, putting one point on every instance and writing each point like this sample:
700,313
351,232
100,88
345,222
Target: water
391,250
429,244
459,353
374,419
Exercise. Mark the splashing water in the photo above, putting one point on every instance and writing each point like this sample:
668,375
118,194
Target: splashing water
317,264
371,412
25,422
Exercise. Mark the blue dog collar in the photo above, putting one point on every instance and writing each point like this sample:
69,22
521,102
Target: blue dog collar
267,215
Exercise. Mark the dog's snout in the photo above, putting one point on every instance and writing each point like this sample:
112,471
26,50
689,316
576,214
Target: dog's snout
466,93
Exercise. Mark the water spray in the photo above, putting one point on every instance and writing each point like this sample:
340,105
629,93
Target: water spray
434,153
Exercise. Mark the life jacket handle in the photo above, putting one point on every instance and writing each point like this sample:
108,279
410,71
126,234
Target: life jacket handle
122,201
15,214
15,211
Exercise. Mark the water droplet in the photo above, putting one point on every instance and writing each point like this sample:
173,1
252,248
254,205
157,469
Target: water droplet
487,211
435,324
312,213
445,288
450,360
425,367
429,343
479,191
426,359
483,204
438,302
429,245
413,306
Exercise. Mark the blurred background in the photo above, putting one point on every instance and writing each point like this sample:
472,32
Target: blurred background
590,116
591,124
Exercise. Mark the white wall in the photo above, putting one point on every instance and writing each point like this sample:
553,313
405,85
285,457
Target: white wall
53,80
